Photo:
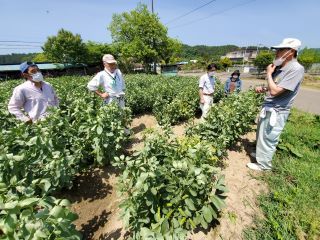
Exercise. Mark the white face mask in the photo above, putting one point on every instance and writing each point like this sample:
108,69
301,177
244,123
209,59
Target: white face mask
210,74
279,61
37,77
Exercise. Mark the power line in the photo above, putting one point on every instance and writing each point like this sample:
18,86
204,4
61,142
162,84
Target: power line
183,15
18,45
213,14
18,48
11,41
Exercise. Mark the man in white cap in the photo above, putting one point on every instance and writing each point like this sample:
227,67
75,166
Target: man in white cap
110,80
34,96
284,78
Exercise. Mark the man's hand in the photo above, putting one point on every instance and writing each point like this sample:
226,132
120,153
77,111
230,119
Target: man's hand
270,69
202,100
104,95
260,89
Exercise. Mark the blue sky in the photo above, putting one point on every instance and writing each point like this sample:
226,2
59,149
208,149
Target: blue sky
239,22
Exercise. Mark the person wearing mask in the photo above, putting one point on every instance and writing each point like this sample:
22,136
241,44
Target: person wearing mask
110,80
284,78
34,96
233,83
206,89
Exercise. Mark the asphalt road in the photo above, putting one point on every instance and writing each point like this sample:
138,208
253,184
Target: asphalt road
307,100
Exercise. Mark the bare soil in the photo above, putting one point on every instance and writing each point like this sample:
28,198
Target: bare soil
95,200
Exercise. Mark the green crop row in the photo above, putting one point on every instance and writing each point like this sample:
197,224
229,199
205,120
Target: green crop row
172,186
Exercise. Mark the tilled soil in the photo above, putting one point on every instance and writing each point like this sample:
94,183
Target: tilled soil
95,200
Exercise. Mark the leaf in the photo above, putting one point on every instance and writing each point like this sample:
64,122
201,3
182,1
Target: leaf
65,203
99,130
218,203
203,223
57,212
193,193
28,202
190,204
10,205
154,191
207,214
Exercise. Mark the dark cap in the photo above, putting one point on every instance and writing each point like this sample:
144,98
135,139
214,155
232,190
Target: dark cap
25,65
236,72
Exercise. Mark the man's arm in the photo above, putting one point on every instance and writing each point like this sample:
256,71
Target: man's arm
273,88
201,95
94,85
16,104
201,85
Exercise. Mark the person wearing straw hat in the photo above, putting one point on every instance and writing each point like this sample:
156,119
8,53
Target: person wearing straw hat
284,77
110,80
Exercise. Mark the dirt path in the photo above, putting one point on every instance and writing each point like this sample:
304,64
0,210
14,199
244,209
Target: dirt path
96,202
244,188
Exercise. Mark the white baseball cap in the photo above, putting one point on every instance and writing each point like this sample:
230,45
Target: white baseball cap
108,58
289,43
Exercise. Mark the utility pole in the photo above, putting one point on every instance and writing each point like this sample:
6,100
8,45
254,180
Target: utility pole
152,6
153,43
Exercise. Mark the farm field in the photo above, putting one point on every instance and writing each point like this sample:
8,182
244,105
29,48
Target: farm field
175,177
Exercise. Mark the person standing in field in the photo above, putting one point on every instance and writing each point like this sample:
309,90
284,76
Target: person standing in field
284,78
110,80
33,96
233,83
206,89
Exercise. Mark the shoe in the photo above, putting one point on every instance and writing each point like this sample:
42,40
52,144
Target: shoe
253,154
254,166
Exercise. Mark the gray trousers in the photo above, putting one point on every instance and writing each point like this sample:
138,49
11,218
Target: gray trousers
268,138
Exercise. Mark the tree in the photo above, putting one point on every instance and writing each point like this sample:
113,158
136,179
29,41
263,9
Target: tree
225,63
96,51
65,48
40,57
263,59
141,36
308,56
171,50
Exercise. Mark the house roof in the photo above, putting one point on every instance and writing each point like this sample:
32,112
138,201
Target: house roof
42,66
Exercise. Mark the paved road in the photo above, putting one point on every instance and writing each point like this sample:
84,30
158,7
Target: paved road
307,100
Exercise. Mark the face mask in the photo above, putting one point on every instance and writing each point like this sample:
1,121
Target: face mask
279,61
37,77
235,77
210,74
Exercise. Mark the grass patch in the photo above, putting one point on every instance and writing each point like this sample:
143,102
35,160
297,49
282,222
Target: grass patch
292,207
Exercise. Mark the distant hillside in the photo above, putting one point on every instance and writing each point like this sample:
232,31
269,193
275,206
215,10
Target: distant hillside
202,51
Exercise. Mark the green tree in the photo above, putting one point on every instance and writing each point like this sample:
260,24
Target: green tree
171,50
141,36
225,63
263,59
65,48
40,57
308,56
96,51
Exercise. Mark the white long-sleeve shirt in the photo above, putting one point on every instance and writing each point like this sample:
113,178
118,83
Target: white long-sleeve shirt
112,83
34,101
